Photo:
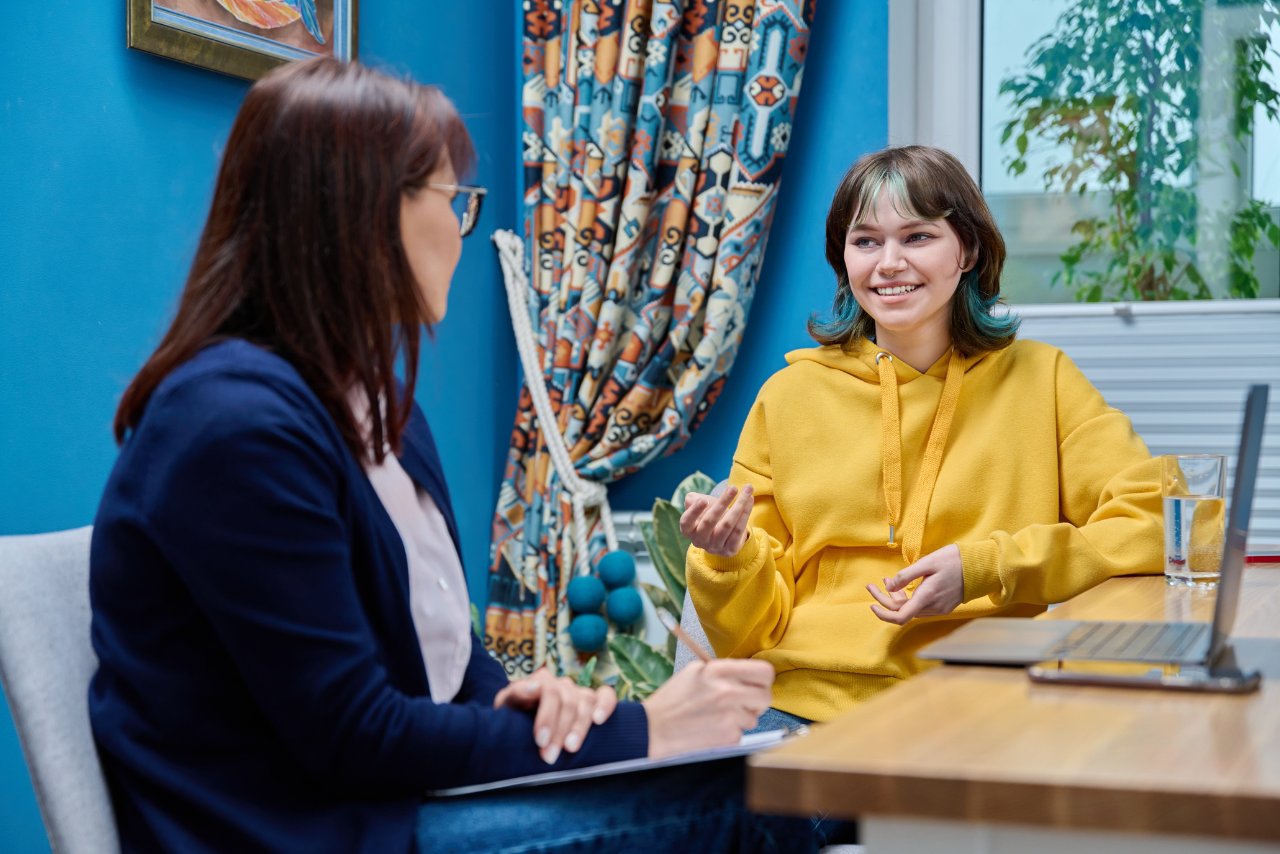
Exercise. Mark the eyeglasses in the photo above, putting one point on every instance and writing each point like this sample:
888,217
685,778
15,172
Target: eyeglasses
466,203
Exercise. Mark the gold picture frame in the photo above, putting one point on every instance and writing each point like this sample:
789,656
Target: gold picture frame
209,34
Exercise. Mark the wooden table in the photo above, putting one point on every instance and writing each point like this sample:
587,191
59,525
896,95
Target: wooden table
980,759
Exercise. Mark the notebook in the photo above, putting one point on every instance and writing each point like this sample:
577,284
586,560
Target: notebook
749,744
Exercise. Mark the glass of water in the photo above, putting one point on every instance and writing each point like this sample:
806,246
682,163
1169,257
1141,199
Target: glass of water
1195,518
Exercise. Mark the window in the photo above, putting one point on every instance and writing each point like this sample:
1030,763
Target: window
1130,149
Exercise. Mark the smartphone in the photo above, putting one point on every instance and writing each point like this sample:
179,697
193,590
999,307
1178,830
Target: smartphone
1169,677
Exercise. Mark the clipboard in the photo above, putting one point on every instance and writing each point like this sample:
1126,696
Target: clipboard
749,744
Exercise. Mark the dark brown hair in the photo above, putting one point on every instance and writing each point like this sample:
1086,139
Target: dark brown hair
301,253
930,184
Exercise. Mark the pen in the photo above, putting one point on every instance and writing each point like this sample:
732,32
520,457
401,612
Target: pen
672,626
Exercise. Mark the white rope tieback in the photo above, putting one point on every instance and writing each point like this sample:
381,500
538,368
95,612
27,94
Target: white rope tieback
584,493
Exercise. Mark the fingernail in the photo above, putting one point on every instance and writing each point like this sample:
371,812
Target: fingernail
550,755
598,717
571,743
544,737
530,687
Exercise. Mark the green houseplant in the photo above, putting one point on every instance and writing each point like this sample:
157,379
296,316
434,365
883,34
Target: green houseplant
1116,87
641,668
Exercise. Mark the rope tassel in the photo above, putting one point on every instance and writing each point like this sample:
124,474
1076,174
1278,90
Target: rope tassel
582,493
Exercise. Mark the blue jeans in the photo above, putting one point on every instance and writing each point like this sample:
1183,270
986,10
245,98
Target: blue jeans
777,719
691,808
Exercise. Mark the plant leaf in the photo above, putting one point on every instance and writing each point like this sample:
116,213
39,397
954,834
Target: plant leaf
672,575
642,666
584,678
475,621
657,557
646,533
673,546
662,599
696,482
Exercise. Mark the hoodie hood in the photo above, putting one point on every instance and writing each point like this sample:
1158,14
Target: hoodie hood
862,362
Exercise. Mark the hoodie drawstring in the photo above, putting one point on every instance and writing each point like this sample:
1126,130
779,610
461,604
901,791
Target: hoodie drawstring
891,461
918,512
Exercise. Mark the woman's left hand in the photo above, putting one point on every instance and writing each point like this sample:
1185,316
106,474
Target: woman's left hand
941,591
565,710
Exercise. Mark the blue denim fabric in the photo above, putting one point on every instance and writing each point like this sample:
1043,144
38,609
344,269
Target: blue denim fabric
694,808
777,719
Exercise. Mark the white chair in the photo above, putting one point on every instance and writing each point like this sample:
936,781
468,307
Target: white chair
693,628
46,662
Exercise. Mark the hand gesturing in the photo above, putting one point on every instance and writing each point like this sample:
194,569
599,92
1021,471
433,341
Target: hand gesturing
718,525
941,591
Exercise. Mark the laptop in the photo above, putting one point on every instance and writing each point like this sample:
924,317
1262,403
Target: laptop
1187,655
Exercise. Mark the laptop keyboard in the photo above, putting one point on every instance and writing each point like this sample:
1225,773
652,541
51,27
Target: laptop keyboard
1130,641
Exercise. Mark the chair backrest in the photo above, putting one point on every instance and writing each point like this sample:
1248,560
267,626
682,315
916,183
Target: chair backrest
46,662
693,627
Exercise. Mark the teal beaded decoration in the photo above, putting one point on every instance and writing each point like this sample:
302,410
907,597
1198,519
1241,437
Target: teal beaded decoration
585,594
588,632
624,606
617,569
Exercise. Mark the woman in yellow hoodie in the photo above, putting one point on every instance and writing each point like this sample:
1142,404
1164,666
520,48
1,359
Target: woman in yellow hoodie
921,467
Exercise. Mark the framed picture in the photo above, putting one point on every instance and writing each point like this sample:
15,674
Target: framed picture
246,38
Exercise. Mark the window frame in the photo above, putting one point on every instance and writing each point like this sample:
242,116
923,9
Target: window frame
935,98
935,77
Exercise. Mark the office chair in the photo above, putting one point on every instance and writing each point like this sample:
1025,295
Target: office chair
46,662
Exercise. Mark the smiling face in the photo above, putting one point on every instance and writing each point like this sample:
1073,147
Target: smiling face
904,270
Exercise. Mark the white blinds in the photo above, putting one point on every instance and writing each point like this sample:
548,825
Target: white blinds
1180,371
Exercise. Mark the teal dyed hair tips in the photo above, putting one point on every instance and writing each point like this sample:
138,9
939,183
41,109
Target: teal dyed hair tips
979,309
846,315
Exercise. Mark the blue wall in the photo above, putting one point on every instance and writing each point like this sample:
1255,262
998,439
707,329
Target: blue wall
842,114
107,159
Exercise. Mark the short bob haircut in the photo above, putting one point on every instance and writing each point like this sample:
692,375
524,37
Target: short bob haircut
301,253
930,184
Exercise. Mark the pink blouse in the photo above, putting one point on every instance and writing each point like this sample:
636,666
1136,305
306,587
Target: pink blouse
438,600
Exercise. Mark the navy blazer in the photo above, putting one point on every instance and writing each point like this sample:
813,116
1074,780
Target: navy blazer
260,685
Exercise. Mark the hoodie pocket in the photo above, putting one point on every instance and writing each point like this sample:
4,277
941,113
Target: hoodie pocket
844,573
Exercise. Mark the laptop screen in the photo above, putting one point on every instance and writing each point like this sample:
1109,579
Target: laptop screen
1232,571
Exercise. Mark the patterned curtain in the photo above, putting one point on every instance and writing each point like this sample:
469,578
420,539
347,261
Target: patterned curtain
654,137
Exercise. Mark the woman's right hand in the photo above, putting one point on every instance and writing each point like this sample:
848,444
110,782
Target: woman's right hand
718,525
708,705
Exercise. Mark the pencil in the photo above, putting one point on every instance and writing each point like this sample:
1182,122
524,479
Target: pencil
672,626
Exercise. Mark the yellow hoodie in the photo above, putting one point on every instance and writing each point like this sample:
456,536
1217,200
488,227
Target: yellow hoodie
1047,490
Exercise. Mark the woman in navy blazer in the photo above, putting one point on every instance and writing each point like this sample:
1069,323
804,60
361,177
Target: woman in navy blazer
261,686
